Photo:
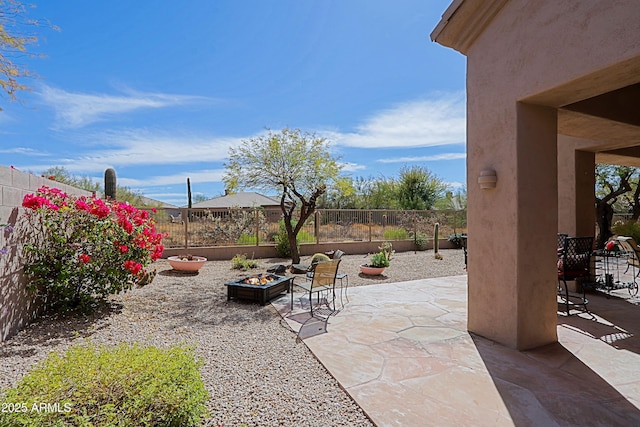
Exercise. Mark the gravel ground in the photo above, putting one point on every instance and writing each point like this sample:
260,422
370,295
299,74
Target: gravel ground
256,372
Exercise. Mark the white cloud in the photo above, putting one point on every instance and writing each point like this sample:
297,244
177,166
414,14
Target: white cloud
75,110
456,185
422,123
200,177
142,148
434,158
351,167
23,151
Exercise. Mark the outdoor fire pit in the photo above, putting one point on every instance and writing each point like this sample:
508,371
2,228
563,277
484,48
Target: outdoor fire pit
259,288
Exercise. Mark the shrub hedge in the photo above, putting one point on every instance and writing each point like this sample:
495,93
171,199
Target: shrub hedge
127,385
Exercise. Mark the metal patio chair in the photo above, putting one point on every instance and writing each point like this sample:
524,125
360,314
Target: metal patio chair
574,262
322,280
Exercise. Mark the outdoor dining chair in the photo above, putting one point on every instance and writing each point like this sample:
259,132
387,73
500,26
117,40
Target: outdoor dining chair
574,262
322,280
343,277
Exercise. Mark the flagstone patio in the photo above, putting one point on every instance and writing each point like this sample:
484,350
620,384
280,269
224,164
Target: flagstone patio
402,351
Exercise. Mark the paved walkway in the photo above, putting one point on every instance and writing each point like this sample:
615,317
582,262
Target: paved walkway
402,351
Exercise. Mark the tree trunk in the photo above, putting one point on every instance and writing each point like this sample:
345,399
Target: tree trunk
295,253
604,219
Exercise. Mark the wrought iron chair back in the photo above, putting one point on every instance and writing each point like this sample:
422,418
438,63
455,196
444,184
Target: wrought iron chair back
574,262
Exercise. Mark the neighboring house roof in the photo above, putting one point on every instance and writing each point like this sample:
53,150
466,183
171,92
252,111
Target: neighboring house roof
153,202
243,200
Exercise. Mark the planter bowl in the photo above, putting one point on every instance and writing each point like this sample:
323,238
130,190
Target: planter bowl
194,264
371,271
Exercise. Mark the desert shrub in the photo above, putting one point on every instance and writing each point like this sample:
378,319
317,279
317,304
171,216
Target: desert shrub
305,237
240,262
229,226
127,385
396,234
282,240
421,241
456,239
247,239
81,250
629,228
283,248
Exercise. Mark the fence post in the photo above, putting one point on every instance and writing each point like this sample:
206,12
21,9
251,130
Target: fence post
257,226
370,224
316,226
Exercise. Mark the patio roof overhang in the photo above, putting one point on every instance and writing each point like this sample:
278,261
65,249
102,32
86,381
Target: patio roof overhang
603,107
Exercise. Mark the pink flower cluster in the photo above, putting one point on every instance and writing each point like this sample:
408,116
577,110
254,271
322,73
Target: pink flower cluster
135,222
133,266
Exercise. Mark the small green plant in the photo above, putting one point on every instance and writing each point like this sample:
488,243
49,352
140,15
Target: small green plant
456,239
421,241
382,258
240,262
396,234
282,239
247,239
379,260
100,386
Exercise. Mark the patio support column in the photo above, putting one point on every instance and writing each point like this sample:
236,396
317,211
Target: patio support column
512,277
576,187
585,176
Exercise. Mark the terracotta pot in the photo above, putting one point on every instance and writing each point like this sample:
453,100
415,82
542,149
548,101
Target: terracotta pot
193,264
371,271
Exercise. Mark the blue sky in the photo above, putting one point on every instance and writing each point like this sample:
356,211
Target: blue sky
160,90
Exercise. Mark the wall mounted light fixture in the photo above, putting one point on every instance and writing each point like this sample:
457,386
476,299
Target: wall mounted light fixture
487,179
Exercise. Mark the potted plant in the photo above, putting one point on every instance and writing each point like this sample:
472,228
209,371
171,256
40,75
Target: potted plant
379,261
186,262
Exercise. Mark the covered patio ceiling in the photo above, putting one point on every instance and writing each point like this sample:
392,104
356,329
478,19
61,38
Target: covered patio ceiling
612,119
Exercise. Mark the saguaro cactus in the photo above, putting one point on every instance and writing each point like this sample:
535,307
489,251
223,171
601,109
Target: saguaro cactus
110,184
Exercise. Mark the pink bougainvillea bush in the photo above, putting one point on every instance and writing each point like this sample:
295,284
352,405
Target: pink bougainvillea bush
82,249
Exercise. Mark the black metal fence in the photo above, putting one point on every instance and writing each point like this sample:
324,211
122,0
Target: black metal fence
186,228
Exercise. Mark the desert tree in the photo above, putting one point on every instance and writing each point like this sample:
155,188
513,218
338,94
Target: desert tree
298,165
418,188
15,37
612,182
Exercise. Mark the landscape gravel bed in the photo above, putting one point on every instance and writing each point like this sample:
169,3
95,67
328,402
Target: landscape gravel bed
254,368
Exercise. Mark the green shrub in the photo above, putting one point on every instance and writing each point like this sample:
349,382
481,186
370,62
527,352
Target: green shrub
421,241
379,260
240,262
382,258
282,240
127,385
396,234
247,239
305,237
283,248
629,228
456,239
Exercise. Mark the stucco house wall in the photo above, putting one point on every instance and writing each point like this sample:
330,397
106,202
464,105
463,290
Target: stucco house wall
525,59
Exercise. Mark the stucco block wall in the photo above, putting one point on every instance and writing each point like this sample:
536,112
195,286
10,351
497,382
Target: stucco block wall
17,305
